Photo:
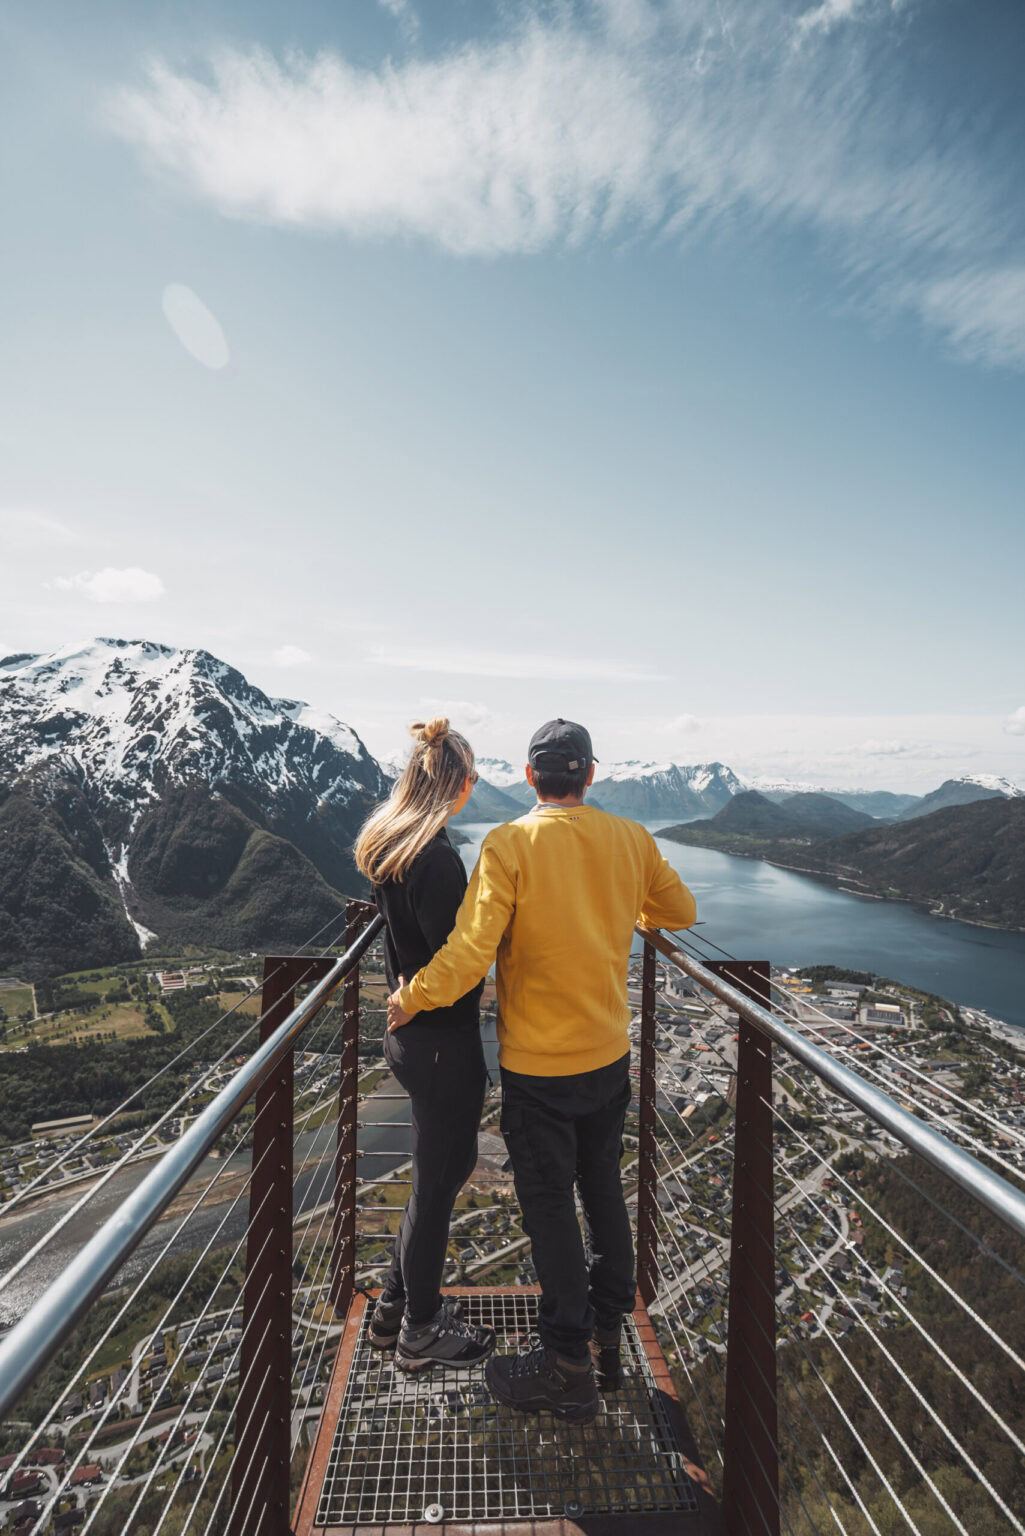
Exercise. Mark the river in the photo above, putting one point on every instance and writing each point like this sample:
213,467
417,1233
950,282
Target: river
20,1232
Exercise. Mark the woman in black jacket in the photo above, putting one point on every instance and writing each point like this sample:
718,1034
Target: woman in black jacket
419,881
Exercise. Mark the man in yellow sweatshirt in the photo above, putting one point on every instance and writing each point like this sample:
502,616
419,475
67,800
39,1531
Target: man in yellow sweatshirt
555,896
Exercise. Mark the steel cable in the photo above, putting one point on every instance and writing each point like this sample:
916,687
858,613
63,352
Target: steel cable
73,1151
864,1068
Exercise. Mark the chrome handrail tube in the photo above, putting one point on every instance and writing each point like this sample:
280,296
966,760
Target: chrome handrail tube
36,1337
988,1188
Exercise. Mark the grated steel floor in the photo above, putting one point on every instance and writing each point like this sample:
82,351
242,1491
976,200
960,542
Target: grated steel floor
434,1446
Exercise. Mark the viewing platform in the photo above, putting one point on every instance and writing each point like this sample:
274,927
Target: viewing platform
828,1334
395,1450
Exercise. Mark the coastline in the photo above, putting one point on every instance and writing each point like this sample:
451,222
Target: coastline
857,888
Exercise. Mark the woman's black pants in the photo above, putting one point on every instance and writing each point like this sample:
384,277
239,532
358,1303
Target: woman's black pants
442,1069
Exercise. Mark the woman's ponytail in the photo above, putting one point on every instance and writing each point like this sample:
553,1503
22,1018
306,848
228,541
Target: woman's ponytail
420,803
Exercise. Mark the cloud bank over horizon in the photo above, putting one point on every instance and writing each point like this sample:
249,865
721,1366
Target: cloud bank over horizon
618,121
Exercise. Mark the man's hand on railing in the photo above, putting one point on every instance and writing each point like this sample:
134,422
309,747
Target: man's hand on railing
397,1016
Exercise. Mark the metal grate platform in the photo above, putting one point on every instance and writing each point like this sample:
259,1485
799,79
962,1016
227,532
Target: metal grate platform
434,1446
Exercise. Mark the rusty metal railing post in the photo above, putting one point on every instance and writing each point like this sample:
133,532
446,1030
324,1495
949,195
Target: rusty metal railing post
750,1504
260,1467
647,1229
343,1219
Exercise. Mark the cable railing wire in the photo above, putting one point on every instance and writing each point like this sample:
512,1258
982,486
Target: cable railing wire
829,1279
47,1172
1010,1133
194,1088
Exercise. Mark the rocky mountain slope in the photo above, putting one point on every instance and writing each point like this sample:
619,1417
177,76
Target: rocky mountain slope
965,861
149,792
880,804
963,791
751,819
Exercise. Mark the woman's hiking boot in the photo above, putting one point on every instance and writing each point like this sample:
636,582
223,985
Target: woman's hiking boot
386,1322
605,1357
542,1381
446,1340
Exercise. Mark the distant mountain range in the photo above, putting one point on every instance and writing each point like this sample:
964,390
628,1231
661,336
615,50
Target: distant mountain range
148,792
152,795
644,791
647,791
965,860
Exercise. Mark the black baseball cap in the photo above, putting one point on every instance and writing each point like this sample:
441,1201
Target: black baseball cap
560,746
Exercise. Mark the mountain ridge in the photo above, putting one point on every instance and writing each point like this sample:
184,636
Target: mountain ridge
965,861
133,725
151,791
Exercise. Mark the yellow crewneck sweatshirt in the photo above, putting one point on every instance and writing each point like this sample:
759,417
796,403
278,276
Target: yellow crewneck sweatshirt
555,895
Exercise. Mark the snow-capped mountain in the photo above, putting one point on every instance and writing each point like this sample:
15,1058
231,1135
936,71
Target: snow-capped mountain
167,778
648,790
993,781
645,790
963,791
132,717
500,772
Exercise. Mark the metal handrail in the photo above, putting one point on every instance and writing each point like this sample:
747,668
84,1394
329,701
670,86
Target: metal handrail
992,1191
36,1338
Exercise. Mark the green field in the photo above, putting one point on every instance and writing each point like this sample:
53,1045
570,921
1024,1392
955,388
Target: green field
123,1020
15,1000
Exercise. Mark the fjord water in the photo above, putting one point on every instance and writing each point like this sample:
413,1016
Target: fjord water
759,912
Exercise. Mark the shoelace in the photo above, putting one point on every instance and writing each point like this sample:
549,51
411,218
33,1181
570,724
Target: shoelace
532,1362
458,1327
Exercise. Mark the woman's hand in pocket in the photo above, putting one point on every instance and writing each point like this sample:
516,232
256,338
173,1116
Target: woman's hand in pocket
397,1016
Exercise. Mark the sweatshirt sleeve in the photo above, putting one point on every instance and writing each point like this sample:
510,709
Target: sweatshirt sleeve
668,903
481,921
435,893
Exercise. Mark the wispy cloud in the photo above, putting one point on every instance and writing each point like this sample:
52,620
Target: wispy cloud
824,17
23,528
510,664
890,747
464,714
680,725
404,14
982,312
1014,725
290,656
626,116
130,585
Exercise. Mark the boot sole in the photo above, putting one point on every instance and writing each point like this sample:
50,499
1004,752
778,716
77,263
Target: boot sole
414,1363
381,1343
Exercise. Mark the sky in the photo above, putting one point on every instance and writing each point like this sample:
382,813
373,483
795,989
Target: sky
660,366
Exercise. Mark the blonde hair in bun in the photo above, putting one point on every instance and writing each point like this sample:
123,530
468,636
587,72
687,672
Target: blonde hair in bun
420,803
430,738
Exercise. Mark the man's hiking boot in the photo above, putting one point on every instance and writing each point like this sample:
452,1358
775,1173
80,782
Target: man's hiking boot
605,1357
446,1340
542,1381
386,1322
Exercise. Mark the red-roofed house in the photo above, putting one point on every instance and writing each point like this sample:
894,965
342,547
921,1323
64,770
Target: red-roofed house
90,1473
